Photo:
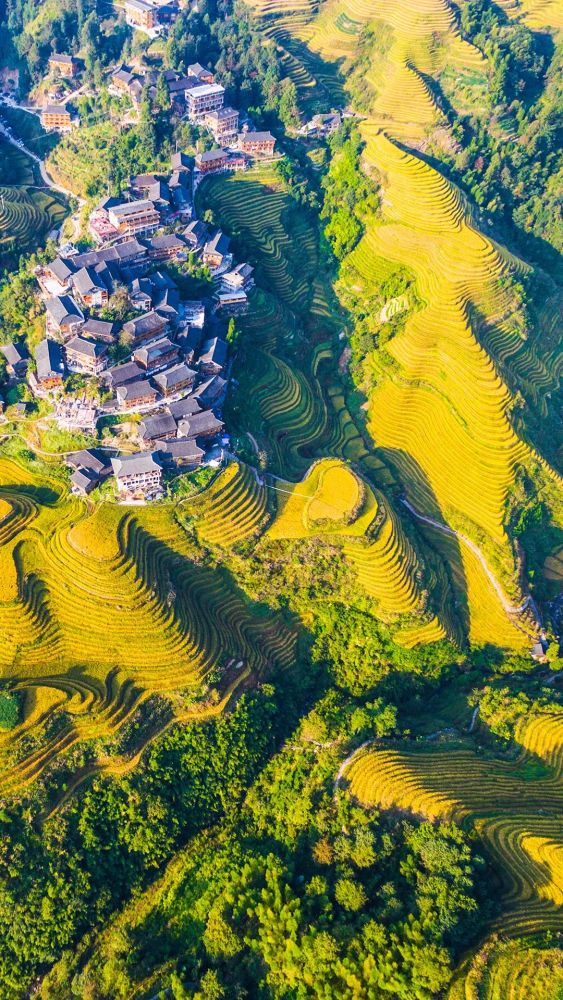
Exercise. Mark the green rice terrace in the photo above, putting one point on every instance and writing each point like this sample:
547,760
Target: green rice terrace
28,211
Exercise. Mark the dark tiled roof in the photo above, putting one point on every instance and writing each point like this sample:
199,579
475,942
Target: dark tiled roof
89,458
60,58
14,353
55,109
158,192
211,390
136,390
88,348
132,464
147,323
256,137
121,374
121,252
157,426
109,202
214,351
180,161
155,352
218,244
167,242
182,449
99,328
144,180
86,280
160,279
177,375
211,156
49,359
196,232
84,480
180,86
62,269
200,423
184,407
62,307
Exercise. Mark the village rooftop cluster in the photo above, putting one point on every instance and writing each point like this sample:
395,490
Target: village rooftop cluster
174,375
194,94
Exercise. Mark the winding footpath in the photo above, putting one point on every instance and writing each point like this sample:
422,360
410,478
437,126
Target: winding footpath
511,609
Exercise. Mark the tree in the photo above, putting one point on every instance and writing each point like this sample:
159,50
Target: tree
118,307
233,333
210,987
351,895
288,109
90,38
162,97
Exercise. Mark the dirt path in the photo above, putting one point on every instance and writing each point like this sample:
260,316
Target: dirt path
345,763
511,609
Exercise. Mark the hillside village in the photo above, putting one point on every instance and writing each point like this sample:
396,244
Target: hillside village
194,95
172,352
117,321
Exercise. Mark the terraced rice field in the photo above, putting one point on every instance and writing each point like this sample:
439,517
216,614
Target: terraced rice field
296,412
232,509
514,806
553,566
100,607
332,502
27,216
27,213
441,412
330,497
509,970
253,205
294,316
478,605
536,14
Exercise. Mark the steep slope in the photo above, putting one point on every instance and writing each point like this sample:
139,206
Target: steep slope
518,819
444,410
100,609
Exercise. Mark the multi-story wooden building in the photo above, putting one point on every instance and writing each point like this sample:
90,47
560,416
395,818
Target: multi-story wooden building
49,363
138,475
134,394
223,124
203,99
86,356
200,73
143,16
134,217
67,66
257,143
56,116
212,161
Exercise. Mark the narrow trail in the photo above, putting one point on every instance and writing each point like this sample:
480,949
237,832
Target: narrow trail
345,763
511,609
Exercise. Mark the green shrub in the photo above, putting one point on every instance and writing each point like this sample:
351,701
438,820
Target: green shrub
9,710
